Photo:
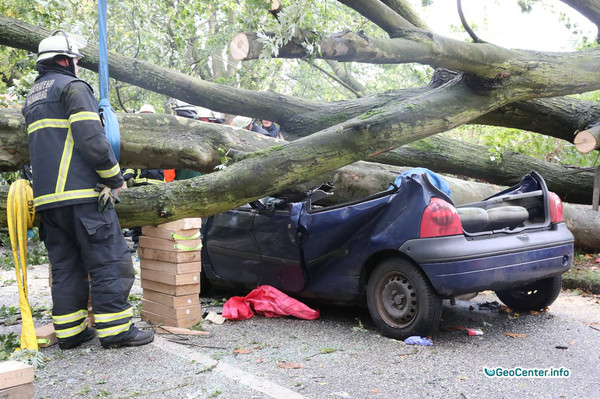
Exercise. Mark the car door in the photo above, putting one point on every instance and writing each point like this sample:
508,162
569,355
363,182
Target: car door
276,234
231,246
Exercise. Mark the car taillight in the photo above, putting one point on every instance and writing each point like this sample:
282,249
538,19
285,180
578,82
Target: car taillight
440,219
556,208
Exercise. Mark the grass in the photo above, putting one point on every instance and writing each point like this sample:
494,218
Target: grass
583,279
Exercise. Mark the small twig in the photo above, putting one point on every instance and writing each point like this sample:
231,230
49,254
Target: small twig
594,328
473,35
192,344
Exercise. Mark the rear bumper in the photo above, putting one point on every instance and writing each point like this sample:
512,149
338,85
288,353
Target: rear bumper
456,264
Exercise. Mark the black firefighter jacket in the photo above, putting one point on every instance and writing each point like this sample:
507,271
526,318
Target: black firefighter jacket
68,148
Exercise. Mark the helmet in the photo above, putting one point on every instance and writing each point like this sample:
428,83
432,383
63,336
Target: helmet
205,113
241,121
147,109
177,105
60,43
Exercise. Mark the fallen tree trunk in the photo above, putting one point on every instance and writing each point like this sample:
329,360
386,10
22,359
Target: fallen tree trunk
188,144
147,141
363,178
445,155
139,204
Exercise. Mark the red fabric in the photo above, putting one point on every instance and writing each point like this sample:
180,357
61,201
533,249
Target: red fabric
169,175
269,302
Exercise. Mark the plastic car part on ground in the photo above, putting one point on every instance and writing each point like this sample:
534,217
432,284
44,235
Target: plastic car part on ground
417,340
269,302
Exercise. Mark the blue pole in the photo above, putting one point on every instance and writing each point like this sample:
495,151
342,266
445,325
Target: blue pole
111,124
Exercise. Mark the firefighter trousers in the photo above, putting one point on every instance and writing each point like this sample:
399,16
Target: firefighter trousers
82,240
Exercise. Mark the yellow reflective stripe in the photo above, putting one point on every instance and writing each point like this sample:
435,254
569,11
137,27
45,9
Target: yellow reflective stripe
68,318
43,123
69,332
180,237
186,248
149,181
65,161
84,116
106,332
107,173
64,196
106,317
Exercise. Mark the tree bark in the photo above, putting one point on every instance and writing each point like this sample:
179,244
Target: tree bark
557,117
188,144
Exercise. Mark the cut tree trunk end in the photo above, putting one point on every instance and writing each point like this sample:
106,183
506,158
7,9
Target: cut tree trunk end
588,140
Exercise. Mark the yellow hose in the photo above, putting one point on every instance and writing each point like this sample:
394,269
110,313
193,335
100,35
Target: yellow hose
20,214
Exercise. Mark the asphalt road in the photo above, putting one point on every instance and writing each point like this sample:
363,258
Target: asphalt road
338,356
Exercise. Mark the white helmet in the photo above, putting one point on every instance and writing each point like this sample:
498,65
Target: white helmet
60,43
205,113
147,109
180,105
241,121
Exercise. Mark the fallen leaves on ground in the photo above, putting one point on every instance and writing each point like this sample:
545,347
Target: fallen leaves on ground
516,335
238,351
289,365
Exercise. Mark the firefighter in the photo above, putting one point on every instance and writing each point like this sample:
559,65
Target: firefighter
76,181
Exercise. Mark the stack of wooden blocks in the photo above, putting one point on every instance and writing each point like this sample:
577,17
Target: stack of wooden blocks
170,273
16,380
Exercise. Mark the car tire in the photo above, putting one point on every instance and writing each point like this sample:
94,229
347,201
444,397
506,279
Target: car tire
401,301
534,296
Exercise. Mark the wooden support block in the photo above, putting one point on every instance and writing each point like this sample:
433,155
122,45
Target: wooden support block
24,391
170,278
172,313
169,256
170,300
14,373
45,336
167,321
169,289
171,234
168,267
188,223
170,245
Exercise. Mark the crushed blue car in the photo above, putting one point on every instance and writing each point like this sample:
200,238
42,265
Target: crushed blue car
400,251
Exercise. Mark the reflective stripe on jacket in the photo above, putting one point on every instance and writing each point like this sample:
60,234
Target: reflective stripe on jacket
67,145
144,177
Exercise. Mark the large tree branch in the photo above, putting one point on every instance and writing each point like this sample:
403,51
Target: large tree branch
185,143
298,117
540,73
380,14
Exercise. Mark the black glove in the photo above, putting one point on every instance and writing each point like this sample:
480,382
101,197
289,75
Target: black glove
107,198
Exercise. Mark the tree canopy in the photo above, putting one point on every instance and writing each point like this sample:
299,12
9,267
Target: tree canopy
349,80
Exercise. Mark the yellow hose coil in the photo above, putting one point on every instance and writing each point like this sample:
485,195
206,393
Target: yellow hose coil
20,213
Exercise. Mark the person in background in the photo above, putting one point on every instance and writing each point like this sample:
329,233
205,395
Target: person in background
272,129
245,122
186,110
77,178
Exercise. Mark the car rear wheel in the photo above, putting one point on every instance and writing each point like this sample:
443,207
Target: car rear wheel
401,300
534,296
